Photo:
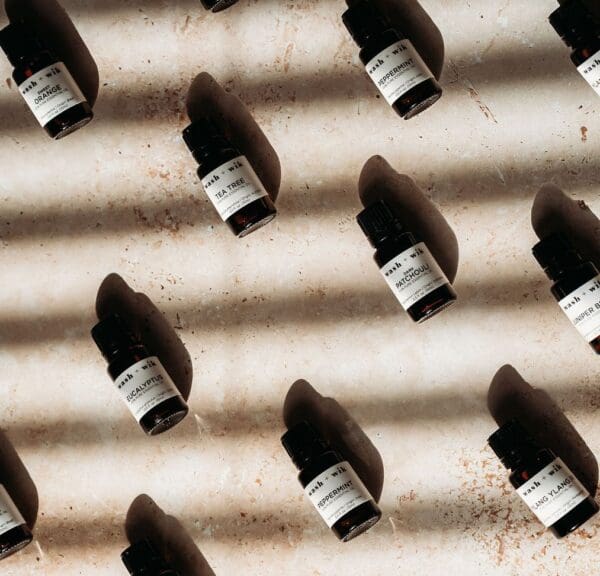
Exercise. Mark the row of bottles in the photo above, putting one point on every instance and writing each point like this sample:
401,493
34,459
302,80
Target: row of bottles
553,493
391,61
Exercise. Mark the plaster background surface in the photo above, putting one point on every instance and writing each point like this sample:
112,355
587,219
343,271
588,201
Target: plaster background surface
298,299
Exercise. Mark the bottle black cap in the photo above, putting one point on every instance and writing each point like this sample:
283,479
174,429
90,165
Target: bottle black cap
555,254
510,442
112,335
363,20
302,442
18,40
378,223
574,21
143,559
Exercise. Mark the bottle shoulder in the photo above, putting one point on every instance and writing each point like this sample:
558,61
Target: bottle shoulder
393,247
573,278
33,64
531,466
214,158
123,360
317,466
378,44
583,53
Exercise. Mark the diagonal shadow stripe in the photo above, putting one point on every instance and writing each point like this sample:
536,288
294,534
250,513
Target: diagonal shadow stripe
452,183
316,307
450,514
163,99
265,420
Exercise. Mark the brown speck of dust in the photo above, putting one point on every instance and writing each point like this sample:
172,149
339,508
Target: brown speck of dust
584,132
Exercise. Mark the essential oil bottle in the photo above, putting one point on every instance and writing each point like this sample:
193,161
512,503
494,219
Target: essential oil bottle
579,28
142,559
141,379
576,285
330,483
228,179
217,5
44,82
543,481
391,60
408,266
14,532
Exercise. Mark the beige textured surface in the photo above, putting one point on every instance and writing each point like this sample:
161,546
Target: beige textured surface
299,299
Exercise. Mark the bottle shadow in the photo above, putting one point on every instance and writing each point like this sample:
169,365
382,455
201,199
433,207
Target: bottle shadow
510,396
554,211
115,296
54,26
17,481
379,181
339,429
410,17
207,99
146,521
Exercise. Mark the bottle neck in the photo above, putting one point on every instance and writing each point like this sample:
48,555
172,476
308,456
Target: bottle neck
310,454
393,244
115,354
366,37
214,150
519,456
562,264
582,39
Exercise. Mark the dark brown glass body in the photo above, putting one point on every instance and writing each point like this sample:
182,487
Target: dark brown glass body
252,216
418,98
162,417
14,540
218,5
533,462
569,281
354,522
70,120
437,300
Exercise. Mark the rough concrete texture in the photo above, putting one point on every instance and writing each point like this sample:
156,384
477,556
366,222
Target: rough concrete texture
300,298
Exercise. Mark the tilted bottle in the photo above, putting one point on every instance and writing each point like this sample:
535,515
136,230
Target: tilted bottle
391,60
576,285
142,381
543,481
44,82
330,483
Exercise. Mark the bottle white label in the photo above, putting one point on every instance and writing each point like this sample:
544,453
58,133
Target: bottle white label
50,92
582,306
553,492
336,492
232,186
10,517
590,70
413,274
145,385
398,69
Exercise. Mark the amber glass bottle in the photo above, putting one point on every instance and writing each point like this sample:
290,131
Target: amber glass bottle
228,179
407,265
44,82
217,5
330,483
141,379
579,27
14,532
543,481
391,60
576,285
